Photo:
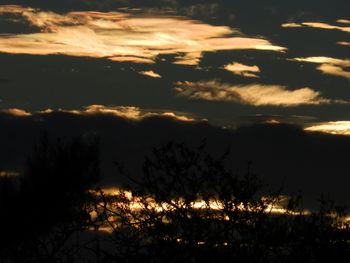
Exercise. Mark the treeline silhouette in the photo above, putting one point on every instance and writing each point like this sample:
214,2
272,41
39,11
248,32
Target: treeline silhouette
186,207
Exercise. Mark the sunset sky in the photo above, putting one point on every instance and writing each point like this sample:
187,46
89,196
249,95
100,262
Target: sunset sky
221,63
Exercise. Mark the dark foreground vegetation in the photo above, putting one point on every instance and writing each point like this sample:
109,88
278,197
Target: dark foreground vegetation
187,207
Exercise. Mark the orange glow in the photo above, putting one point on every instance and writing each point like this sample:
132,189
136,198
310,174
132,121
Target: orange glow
123,36
272,122
254,94
9,174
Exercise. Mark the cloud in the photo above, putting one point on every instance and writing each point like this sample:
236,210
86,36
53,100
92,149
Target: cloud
150,73
344,43
122,36
243,70
15,9
325,60
126,112
332,127
319,25
291,25
334,70
16,112
253,94
331,66
326,26
343,21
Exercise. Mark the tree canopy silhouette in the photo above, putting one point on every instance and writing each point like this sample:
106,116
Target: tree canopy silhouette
186,207
50,202
189,207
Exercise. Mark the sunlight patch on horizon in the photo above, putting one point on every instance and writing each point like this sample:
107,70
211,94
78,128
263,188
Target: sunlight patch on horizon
253,94
243,70
123,36
332,127
135,203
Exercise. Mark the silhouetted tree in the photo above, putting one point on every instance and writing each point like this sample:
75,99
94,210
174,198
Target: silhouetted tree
52,202
189,208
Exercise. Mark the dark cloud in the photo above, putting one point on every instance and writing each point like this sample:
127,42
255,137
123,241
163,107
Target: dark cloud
281,153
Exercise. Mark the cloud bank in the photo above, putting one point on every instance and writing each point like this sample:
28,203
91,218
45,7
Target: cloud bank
253,94
122,36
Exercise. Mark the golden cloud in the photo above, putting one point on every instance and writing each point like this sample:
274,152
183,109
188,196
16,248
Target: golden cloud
344,43
15,9
16,112
343,21
319,25
291,25
243,70
334,70
254,94
326,26
150,73
331,66
126,112
325,60
333,127
123,36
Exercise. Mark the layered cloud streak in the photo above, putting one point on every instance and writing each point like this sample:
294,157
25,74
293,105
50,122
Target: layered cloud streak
253,94
331,66
123,36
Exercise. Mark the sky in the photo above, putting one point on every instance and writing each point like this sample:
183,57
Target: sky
269,73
